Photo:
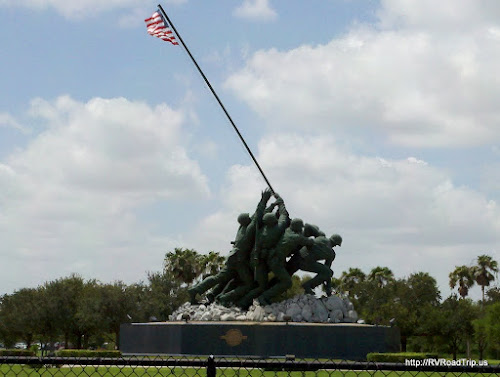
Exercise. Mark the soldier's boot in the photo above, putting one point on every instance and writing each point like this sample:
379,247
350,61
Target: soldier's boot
192,296
263,301
210,297
308,289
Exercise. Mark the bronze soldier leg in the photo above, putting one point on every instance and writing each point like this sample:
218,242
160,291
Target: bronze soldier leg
323,274
261,272
225,275
284,281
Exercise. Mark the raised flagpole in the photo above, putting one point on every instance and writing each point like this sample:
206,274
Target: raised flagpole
216,97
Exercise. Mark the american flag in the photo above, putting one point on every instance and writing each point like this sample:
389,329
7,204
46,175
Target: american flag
158,27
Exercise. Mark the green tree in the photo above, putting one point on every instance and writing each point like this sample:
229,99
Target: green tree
381,275
404,300
163,295
483,272
20,315
463,276
211,263
63,296
351,279
481,335
493,294
493,326
119,303
451,323
184,265
89,320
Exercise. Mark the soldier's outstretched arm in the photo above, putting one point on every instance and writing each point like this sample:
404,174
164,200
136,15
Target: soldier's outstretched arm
284,216
266,195
271,207
259,212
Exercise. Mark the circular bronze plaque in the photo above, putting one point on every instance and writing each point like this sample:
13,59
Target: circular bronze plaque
234,337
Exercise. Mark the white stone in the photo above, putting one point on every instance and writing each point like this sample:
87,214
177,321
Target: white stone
293,309
207,316
299,308
352,316
227,317
334,303
336,316
320,313
258,314
306,313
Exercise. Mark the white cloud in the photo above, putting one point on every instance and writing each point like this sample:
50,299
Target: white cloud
416,86
405,214
7,120
442,16
69,200
82,8
256,10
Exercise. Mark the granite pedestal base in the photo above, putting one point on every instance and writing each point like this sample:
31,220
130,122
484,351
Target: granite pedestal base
258,339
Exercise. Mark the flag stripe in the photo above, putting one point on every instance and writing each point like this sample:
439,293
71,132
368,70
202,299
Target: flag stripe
158,27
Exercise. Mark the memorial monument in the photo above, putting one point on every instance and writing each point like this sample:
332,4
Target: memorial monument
236,312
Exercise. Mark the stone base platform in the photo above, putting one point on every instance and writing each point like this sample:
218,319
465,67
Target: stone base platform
258,339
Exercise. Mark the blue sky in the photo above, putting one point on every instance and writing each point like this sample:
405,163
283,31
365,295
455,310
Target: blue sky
377,120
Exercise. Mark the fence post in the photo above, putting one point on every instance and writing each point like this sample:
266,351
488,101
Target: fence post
211,366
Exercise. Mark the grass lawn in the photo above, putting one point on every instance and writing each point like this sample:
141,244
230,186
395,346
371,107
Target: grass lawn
26,371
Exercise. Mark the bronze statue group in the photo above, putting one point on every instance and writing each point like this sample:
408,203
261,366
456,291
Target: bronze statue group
269,241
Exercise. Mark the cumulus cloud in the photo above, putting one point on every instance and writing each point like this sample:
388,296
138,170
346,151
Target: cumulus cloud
8,121
417,86
405,214
256,10
445,16
69,199
78,9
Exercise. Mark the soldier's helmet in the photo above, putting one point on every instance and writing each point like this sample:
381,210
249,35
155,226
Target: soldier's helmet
297,225
270,219
336,240
244,219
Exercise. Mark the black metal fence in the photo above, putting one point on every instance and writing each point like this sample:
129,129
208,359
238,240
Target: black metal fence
15,366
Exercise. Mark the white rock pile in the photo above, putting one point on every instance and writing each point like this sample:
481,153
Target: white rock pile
302,308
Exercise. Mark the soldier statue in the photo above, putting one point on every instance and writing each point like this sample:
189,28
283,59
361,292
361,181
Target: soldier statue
237,263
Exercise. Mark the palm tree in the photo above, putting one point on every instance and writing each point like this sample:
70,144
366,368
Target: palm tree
483,271
183,264
463,276
352,278
212,263
381,275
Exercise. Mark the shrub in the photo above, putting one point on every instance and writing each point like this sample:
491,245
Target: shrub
88,353
16,352
399,357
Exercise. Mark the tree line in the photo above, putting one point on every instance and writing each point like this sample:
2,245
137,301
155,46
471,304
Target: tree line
80,313
455,325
